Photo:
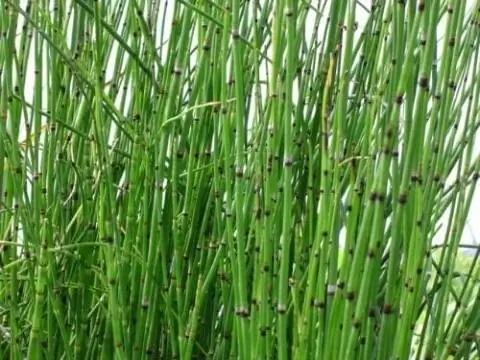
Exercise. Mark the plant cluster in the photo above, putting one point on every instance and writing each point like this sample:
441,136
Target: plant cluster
237,179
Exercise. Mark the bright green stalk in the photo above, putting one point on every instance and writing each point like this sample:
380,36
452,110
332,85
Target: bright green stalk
290,13
241,305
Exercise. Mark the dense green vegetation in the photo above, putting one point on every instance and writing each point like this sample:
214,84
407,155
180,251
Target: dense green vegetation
233,179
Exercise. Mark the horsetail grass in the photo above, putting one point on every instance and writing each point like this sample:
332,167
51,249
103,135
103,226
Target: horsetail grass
238,179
